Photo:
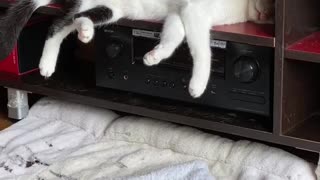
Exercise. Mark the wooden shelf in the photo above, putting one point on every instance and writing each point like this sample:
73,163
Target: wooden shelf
306,49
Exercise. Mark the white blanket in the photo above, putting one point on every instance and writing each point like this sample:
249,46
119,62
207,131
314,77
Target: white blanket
61,140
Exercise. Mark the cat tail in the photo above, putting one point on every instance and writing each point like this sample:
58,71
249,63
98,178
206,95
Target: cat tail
12,23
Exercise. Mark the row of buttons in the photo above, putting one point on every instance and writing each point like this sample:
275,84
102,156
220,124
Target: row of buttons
112,75
158,83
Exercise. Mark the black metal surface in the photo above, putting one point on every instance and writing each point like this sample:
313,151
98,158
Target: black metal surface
240,80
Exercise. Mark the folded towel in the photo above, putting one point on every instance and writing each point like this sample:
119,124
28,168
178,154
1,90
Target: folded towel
62,140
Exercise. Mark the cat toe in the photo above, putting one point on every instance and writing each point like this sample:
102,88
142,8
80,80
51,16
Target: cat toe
196,89
150,59
85,34
46,69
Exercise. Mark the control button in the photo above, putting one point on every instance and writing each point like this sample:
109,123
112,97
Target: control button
111,75
185,87
148,81
156,82
113,49
125,75
172,85
164,83
246,69
213,92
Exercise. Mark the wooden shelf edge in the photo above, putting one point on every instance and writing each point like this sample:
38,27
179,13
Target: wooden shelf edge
305,49
300,143
302,56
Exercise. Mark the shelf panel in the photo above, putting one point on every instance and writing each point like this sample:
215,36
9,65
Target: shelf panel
250,33
306,49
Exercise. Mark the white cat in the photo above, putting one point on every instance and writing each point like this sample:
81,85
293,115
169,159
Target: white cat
190,19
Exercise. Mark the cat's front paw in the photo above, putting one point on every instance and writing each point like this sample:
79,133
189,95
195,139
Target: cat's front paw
151,58
47,68
85,33
196,88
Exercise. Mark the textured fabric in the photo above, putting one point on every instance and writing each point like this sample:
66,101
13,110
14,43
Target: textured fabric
61,140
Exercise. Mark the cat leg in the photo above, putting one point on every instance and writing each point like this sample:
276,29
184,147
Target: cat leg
198,37
85,21
58,31
171,37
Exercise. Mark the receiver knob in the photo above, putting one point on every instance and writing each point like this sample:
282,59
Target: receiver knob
113,49
246,69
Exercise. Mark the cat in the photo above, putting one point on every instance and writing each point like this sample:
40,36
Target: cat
190,19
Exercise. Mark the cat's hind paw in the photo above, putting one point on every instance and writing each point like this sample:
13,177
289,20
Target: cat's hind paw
85,34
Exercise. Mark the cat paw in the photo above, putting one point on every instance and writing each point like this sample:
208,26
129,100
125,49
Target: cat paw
85,33
151,58
196,88
46,68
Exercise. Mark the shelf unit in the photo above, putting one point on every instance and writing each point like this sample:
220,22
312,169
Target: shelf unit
300,118
295,38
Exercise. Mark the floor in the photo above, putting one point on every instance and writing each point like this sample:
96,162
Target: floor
4,120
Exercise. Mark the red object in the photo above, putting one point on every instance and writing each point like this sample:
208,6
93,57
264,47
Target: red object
306,49
11,64
310,44
23,59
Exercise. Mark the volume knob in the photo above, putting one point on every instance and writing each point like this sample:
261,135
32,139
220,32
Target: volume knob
113,49
246,69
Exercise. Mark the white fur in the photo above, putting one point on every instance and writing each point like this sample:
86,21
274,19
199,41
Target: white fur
85,28
183,18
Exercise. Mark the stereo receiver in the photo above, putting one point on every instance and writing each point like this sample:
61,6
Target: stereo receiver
240,78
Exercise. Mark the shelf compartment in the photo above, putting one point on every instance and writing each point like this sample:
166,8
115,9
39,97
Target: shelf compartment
248,32
301,100
306,49
307,130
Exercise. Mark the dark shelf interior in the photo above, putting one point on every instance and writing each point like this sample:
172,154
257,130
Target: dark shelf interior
307,130
301,99
306,49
